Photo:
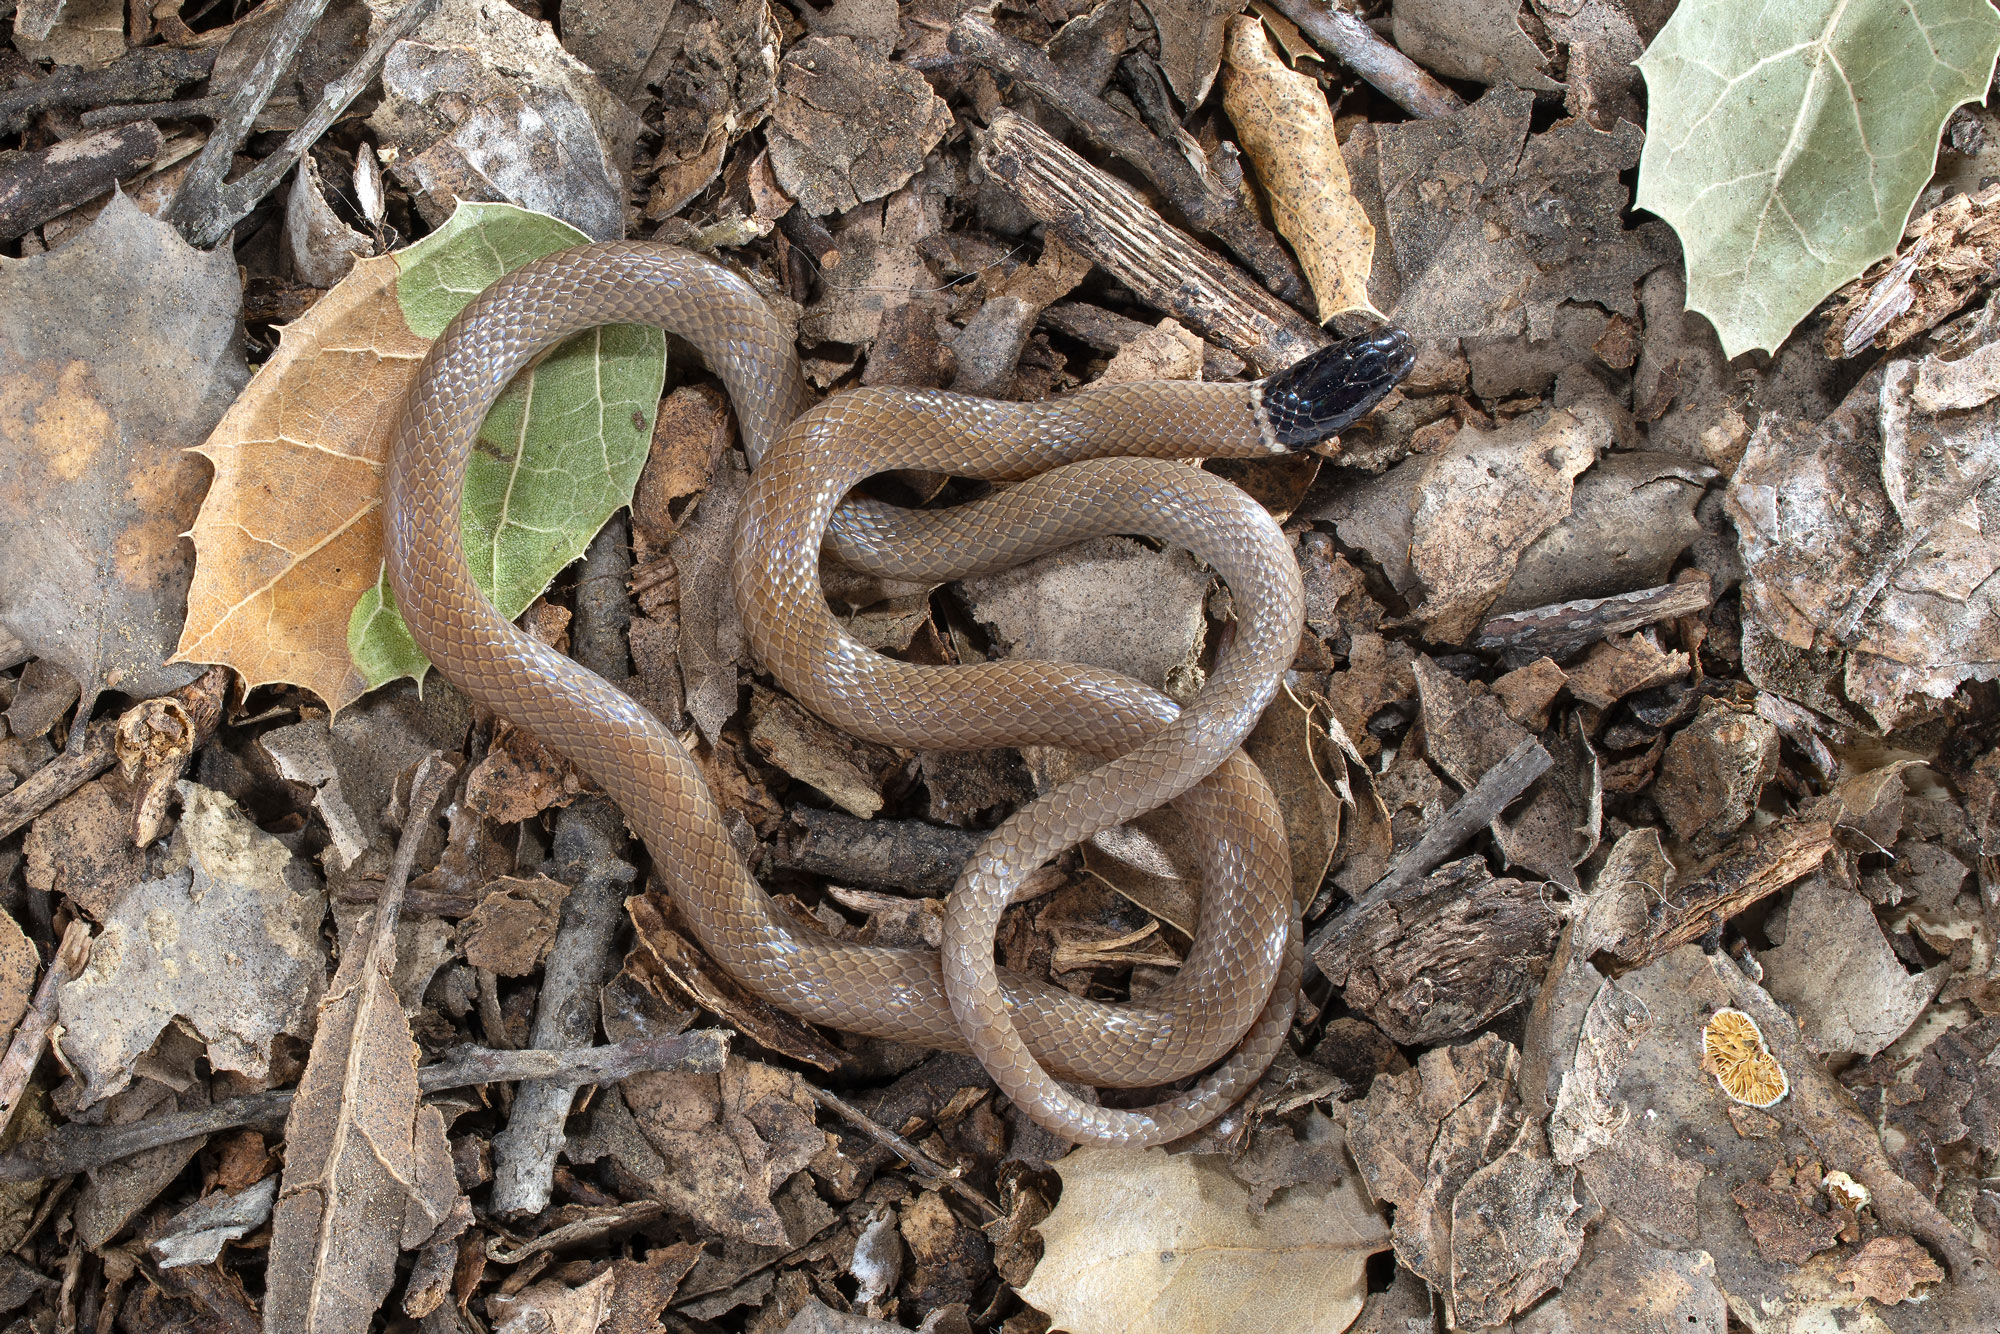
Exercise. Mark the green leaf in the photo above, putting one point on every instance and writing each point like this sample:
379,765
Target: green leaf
1787,141
558,454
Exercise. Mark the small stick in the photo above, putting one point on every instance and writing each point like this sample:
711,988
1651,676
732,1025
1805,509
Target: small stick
925,1166
78,1148
142,74
1097,216
1202,198
199,192
590,835
185,108
1560,629
909,855
1356,46
206,214
1468,815
598,1224
60,776
31,1036
40,185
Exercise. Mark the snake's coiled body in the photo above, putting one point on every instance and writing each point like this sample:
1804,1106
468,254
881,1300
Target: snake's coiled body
1236,988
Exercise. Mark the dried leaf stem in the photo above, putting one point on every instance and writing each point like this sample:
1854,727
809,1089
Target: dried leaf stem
1357,46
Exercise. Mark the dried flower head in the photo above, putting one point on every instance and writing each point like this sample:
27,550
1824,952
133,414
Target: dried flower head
1733,1050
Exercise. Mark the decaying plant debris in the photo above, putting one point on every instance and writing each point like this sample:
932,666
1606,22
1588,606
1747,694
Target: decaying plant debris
1637,761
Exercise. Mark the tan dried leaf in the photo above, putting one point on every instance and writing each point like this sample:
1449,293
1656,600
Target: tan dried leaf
1286,128
1143,1241
1889,1269
290,536
365,1174
1733,1050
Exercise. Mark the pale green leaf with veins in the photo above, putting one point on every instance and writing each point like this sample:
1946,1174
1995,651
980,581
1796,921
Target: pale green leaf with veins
1787,141
561,450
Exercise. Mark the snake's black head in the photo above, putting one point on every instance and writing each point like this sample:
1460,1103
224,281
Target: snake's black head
1332,388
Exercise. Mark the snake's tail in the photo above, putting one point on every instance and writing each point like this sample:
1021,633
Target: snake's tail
1330,390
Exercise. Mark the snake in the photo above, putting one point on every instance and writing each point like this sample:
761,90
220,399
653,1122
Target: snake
1102,460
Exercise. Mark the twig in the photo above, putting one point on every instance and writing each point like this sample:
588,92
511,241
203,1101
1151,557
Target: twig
183,109
1098,216
1468,815
78,1148
1108,331
199,197
896,854
1754,867
1562,628
31,1035
588,844
598,1224
37,186
143,74
925,1166
1206,201
206,214
1356,46
60,776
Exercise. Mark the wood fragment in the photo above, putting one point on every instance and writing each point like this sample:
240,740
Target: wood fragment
1356,45
590,856
47,182
1562,629
925,1166
181,109
1108,331
64,774
909,855
31,1035
75,1147
208,207
1202,197
143,74
1754,867
1098,216
1471,813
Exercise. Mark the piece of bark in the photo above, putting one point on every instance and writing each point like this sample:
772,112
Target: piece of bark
1471,813
1756,866
38,185
1357,46
1201,196
908,855
179,109
143,74
1562,629
1097,216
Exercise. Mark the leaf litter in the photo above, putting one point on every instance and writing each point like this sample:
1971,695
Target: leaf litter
1635,762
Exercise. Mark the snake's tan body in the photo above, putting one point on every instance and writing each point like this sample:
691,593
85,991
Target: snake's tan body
1232,999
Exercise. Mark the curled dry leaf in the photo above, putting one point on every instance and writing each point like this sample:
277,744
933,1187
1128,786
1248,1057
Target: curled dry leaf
1733,1050
1144,1242
287,585
117,352
1287,130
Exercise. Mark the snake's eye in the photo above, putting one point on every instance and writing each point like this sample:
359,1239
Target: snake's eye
1333,387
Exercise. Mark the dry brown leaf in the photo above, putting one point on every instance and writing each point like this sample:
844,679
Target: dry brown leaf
117,352
555,1308
227,948
1145,1242
285,559
512,928
1286,128
364,1170
19,968
1284,746
1889,1270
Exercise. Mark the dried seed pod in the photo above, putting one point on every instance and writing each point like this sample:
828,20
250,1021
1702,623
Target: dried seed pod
1733,1050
